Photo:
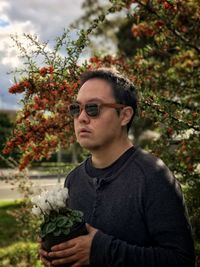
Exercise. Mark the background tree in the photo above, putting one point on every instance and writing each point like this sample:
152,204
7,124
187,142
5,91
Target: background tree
6,126
164,65
157,44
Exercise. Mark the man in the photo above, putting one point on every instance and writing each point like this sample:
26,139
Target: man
133,206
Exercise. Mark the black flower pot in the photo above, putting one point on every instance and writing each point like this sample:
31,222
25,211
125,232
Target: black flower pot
50,240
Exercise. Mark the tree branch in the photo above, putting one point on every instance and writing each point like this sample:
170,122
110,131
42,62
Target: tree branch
168,24
188,125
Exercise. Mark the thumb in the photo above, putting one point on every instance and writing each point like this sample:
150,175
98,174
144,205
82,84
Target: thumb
90,229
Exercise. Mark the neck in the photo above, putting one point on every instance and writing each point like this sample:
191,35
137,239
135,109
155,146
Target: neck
103,158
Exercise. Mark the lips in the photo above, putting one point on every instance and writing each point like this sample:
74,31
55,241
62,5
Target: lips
84,131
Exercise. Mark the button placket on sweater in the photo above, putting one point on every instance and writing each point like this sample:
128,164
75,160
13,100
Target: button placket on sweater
99,184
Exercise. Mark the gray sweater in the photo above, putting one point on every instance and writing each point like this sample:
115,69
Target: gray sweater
139,211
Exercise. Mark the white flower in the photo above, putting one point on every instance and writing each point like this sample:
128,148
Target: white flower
54,200
36,211
65,194
35,200
43,204
50,200
60,204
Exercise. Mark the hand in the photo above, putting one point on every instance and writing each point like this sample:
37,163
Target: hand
75,251
43,255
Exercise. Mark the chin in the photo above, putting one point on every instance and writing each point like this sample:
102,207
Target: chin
89,146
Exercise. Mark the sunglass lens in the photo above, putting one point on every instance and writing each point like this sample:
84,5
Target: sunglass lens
92,109
74,109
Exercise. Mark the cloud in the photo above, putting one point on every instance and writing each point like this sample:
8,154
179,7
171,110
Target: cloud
46,19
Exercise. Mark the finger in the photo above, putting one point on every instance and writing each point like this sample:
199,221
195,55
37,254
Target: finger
70,259
64,245
62,253
90,229
43,253
76,264
45,261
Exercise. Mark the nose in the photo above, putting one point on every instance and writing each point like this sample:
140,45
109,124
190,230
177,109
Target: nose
83,117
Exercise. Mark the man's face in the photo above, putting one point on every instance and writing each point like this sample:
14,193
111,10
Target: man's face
99,132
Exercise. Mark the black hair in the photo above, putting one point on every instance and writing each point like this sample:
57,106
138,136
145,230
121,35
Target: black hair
123,89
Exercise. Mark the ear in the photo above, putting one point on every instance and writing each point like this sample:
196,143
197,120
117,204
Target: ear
126,115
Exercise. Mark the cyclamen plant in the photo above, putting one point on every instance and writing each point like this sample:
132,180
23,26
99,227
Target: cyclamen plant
57,218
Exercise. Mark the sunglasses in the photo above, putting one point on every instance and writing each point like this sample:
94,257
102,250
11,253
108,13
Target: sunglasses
91,109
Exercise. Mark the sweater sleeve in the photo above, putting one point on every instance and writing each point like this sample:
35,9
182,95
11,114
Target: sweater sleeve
167,223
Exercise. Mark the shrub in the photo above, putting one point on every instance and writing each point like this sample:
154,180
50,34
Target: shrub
21,254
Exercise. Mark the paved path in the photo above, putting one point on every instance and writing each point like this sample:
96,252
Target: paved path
8,192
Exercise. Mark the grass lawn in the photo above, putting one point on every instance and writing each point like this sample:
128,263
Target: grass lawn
8,225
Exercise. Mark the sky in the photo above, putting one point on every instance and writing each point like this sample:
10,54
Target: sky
46,19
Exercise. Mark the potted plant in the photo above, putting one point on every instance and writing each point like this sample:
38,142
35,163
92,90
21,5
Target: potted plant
59,223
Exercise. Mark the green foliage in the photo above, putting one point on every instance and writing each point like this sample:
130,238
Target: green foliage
8,222
20,254
193,202
6,126
14,251
157,46
24,253
60,223
19,222
165,67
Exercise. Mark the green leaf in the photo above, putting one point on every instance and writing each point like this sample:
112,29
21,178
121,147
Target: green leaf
61,221
65,231
50,227
170,2
77,213
78,219
53,219
57,232
68,224
42,234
